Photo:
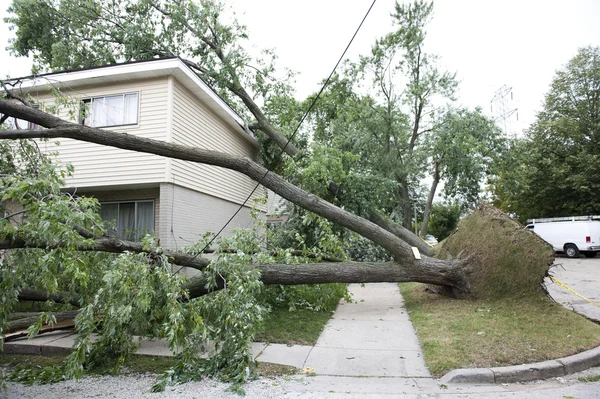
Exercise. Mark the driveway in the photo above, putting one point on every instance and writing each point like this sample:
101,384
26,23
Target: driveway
582,276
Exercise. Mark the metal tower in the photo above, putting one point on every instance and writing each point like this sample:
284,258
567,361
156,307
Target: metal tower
501,108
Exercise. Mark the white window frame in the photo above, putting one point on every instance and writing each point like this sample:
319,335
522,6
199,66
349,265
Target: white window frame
87,114
136,202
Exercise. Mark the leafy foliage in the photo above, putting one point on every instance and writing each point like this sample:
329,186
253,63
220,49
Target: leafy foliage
464,144
444,219
125,295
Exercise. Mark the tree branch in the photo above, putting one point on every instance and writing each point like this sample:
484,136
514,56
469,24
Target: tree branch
115,245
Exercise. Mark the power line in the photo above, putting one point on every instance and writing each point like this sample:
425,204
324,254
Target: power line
293,134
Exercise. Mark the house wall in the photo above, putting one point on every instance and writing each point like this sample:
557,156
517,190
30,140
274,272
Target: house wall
190,199
194,124
186,215
96,165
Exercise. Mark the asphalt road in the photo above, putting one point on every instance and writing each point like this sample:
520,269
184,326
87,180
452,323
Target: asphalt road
581,276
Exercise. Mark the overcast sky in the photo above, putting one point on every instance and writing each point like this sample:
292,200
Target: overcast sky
488,43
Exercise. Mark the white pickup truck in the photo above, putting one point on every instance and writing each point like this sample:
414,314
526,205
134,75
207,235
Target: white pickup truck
573,235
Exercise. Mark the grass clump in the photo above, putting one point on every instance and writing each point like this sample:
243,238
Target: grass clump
595,378
302,326
492,333
504,259
299,313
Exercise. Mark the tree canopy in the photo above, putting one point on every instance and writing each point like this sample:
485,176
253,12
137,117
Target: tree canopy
390,122
555,171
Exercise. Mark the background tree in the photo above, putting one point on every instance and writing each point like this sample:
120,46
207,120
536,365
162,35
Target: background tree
444,219
398,132
406,81
461,147
555,171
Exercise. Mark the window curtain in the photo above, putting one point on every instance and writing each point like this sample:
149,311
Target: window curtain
144,219
129,220
126,225
115,110
98,112
110,214
130,108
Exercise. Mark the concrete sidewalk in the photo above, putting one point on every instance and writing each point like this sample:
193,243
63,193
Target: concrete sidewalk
371,336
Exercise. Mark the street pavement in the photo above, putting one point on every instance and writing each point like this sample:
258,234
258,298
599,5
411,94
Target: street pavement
581,275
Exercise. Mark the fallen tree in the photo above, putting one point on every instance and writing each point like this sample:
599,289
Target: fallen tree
426,269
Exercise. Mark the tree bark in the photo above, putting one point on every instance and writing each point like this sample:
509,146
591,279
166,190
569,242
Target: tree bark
27,321
432,190
430,271
405,204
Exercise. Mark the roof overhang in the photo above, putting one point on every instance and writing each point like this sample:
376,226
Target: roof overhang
143,70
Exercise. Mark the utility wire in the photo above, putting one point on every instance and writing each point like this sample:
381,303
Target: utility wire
293,134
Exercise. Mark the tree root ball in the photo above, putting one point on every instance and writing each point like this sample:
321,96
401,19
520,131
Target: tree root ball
503,259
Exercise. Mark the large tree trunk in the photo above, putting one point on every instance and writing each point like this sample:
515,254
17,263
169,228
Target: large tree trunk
449,274
427,213
405,204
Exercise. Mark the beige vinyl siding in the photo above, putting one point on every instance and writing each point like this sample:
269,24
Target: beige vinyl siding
97,165
186,215
196,125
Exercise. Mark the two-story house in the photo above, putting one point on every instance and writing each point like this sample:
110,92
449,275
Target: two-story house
161,99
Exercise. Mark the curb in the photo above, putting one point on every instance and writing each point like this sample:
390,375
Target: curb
526,372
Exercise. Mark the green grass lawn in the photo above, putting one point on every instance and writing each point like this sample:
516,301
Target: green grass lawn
301,326
460,333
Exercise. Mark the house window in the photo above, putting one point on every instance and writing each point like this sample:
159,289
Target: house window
129,220
105,111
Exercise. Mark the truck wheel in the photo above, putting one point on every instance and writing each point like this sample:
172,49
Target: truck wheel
590,254
571,251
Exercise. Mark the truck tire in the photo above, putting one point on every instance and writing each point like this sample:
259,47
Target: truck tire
571,251
590,254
